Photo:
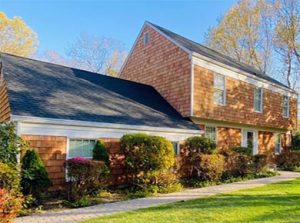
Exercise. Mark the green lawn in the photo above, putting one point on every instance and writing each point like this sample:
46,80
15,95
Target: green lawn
278,202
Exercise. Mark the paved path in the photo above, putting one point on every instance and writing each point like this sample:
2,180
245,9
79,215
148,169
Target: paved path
80,214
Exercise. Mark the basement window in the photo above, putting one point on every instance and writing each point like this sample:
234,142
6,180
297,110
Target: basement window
146,38
81,147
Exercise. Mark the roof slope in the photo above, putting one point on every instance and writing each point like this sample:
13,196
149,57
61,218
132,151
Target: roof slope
47,90
214,55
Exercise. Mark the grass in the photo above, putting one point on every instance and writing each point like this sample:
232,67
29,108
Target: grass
279,202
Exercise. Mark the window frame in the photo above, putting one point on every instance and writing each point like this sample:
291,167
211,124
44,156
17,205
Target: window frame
255,139
286,107
177,147
216,132
215,88
278,136
68,146
260,100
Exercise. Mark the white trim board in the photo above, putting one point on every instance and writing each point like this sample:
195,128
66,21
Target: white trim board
242,76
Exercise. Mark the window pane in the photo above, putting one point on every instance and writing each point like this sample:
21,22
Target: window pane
210,132
219,97
258,100
250,139
83,148
285,106
278,144
175,147
219,81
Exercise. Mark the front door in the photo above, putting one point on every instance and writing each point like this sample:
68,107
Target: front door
250,140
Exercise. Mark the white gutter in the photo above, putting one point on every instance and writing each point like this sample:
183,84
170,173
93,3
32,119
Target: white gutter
38,120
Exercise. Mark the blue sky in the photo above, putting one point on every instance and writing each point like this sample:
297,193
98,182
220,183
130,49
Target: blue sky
58,23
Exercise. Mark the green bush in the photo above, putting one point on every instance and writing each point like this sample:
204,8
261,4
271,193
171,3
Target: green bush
242,150
288,160
9,177
10,205
211,167
100,152
260,163
236,164
84,176
9,143
146,157
296,142
199,144
35,178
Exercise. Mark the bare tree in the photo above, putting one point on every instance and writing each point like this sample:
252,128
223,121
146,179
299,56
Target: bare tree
99,55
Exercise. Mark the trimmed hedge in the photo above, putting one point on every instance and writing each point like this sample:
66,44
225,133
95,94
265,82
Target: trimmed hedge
146,157
288,160
211,167
200,144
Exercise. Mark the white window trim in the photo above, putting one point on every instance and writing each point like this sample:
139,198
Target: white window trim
224,96
288,107
177,147
216,130
255,139
280,149
261,100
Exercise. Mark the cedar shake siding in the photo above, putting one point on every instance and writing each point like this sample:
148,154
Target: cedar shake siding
228,137
239,103
4,103
163,65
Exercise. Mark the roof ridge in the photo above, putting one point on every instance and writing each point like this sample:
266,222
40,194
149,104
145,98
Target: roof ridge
208,48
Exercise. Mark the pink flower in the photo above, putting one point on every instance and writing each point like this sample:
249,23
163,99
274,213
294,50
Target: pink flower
79,159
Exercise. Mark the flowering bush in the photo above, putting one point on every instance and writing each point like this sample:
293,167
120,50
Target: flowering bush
84,176
10,205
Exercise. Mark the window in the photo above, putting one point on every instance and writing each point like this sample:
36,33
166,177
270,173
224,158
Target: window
176,147
278,143
81,147
219,89
210,132
258,100
286,105
146,38
250,138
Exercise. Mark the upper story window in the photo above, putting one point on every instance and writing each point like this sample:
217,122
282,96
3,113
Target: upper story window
285,107
81,147
219,89
210,132
146,38
258,100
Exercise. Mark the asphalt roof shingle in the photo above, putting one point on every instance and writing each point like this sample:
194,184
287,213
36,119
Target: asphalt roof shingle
47,90
214,55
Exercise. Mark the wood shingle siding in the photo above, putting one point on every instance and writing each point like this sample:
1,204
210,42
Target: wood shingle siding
4,103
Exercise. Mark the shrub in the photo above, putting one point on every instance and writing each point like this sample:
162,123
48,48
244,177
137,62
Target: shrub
9,177
146,156
296,142
10,205
84,175
100,152
288,160
236,164
211,167
199,144
9,143
191,154
260,163
242,150
34,174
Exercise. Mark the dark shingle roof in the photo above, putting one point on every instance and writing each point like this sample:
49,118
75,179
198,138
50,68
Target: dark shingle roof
214,55
47,90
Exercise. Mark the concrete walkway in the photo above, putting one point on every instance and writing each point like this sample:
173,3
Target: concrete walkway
80,214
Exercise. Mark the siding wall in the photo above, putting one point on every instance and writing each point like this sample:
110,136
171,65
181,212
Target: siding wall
162,65
4,103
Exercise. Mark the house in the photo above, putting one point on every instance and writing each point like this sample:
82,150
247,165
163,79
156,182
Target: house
61,111
233,103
